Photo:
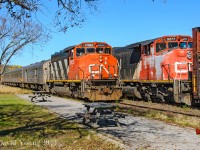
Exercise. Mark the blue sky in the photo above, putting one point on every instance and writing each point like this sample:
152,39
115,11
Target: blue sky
122,22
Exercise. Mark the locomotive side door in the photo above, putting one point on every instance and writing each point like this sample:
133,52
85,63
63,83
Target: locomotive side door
71,69
152,67
144,74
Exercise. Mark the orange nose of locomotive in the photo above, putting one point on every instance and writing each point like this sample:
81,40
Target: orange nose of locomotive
100,66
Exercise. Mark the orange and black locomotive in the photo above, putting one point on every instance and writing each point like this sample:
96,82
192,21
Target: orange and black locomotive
88,71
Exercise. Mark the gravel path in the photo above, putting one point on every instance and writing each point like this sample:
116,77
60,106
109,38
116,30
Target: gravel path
136,132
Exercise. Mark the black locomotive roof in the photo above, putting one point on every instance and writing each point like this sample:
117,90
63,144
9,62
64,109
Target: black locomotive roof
198,28
69,48
62,52
131,46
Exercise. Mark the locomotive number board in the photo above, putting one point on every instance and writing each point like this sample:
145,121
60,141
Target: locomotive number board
171,39
89,45
101,45
185,39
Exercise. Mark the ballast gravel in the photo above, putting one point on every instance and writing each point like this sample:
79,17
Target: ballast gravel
134,133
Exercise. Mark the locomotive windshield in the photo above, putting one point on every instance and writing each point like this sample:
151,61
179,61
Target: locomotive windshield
80,51
172,44
90,50
160,46
190,45
183,45
107,50
100,50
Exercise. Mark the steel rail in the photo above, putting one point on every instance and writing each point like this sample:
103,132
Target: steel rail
158,109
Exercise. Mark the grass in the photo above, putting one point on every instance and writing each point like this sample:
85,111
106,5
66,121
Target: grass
13,90
27,126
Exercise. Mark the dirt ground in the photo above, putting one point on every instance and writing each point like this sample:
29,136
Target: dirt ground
134,133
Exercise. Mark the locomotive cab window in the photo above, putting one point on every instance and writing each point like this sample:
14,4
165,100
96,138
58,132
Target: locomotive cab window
80,51
146,49
172,44
190,45
183,45
90,50
160,47
107,50
71,53
99,50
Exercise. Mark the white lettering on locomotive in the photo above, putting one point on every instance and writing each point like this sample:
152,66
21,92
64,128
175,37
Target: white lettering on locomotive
97,71
183,69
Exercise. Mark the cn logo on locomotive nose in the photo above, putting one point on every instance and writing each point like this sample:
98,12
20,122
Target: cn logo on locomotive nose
181,67
97,71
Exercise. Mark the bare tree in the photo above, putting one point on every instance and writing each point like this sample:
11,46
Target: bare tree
15,36
69,13
17,30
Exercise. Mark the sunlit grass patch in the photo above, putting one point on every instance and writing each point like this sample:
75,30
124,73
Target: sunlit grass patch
6,99
13,90
27,126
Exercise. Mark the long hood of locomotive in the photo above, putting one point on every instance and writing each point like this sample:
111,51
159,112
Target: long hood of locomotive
97,66
169,65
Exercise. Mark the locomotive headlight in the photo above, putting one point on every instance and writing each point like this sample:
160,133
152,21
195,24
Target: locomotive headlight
100,57
100,60
189,55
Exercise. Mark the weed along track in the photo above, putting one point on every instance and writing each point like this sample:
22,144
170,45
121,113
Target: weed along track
173,114
128,105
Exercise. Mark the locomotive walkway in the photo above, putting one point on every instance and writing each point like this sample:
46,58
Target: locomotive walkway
135,132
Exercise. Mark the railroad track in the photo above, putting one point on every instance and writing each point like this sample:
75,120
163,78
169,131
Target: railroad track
128,105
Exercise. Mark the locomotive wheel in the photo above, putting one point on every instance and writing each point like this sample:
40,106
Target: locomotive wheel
147,97
161,98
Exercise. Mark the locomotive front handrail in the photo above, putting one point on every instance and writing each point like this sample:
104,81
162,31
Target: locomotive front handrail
82,72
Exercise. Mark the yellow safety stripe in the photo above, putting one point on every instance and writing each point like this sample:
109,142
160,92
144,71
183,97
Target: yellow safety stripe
66,81
149,81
